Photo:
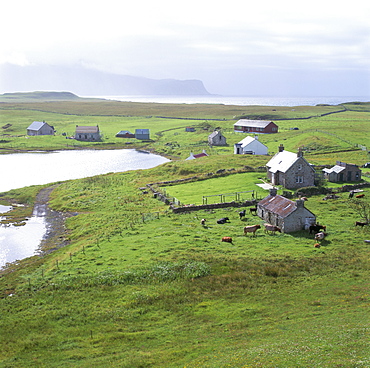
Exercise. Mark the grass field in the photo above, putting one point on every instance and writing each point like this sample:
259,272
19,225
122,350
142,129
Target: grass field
139,286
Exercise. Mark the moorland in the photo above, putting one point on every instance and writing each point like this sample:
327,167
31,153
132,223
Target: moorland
136,285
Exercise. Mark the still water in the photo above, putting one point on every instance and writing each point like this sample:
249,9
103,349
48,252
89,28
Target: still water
23,169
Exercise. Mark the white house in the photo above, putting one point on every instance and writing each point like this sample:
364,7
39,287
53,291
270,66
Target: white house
250,145
40,128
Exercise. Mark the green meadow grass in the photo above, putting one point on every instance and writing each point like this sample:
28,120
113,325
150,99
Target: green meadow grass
139,286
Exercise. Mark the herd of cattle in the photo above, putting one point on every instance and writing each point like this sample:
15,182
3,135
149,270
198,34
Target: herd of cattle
317,229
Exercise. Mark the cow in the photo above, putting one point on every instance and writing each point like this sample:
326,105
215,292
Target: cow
241,214
271,228
227,239
203,222
251,229
316,228
320,236
223,220
360,223
360,195
351,193
253,210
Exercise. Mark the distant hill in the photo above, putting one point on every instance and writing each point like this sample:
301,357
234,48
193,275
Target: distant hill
88,82
38,96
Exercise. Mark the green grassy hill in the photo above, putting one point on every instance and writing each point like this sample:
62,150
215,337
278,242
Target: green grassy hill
139,286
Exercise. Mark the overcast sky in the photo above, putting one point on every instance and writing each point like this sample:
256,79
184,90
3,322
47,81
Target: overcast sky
311,48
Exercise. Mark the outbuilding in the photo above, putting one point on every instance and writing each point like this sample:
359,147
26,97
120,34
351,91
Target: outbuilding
342,172
40,128
250,145
198,155
216,139
142,134
255,126
289,215
125,134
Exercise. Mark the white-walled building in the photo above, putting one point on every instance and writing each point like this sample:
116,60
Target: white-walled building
250,145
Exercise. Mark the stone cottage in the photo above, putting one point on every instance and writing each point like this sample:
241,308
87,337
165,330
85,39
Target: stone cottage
291,170
342,172
40,128
87,133
216,139
250,145
289,215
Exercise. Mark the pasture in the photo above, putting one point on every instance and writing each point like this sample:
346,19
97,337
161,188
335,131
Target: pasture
138,286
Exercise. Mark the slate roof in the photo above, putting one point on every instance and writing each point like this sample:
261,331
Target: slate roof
142,131
282,161
36,125
253,123
87,129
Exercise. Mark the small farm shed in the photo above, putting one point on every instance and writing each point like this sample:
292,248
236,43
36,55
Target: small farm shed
250,145
287,214
342,172
40,128
255,126
216,139
125,134
198,155
142,134
87,133
291,170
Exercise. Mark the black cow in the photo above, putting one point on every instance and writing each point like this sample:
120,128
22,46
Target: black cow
242,214
223,220
316,228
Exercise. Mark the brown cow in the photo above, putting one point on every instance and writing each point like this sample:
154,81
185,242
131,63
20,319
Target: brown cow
272,228
227,239
360,195
360,223
251,229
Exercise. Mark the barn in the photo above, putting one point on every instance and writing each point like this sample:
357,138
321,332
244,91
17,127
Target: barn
250,145
87,133
255,126
40,128
289,215
125,134
198,155
216,139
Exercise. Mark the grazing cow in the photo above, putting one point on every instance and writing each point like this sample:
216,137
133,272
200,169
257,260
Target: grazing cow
360,195
359,223
320,236
203,222
242,214
272,228
317,245
351,193
316,228
223,220
253,210
251,229
227,239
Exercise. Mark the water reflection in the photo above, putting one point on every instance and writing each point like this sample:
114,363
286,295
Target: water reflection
18,242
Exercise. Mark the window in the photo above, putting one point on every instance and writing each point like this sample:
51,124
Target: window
299,179
300,167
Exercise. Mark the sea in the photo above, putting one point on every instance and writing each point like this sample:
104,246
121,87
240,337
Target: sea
241,100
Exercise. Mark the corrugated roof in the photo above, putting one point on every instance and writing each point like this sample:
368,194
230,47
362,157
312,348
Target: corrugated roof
278,204
253,123
36,125
282,161
142,131
337,169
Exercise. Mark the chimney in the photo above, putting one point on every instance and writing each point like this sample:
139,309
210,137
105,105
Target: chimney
256,137
281,147
273,192
300,152
300,202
